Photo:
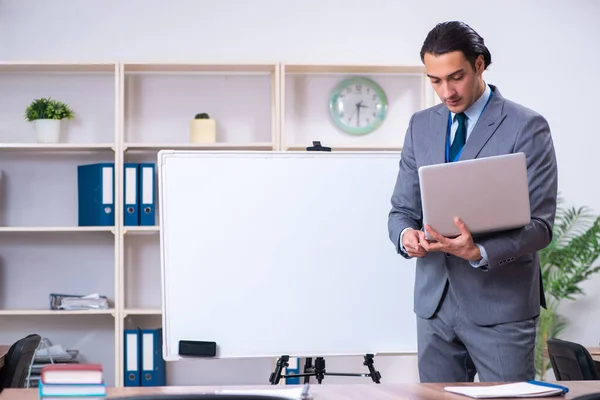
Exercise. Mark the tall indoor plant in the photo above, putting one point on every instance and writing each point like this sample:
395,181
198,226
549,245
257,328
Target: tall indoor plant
46,115
570,259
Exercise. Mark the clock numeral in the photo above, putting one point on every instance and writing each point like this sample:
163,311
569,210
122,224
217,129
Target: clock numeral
374,97
358,88
374,114
368,90
342,115
349,89
368,120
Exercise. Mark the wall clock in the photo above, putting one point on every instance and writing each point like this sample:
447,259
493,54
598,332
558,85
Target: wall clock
358,105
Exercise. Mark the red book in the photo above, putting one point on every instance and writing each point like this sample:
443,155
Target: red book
71,373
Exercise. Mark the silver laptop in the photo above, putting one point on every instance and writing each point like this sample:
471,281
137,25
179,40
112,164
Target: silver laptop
489,194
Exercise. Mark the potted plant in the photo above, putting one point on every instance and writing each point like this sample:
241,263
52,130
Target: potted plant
565,263
46,114
203,129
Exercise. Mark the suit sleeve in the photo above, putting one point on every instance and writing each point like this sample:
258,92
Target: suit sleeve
535,141
406,198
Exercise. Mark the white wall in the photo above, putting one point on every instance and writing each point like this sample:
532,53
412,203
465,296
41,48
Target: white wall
545,56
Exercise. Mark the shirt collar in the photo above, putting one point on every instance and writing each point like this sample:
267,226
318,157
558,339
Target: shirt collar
474,111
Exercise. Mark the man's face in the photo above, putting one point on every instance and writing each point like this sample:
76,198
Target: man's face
454,80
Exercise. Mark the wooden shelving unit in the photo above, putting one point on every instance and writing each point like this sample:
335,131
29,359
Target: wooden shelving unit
127,112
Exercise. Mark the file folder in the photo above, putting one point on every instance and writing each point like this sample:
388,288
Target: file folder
154,371
146,194
132,348
293,368
95,191
130,194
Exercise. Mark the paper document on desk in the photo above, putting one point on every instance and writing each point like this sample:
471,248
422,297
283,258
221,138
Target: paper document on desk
520,389
293,394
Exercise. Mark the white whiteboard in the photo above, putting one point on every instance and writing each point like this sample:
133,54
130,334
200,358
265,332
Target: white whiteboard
282,253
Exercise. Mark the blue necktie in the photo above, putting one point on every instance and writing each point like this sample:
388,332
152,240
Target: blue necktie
460,136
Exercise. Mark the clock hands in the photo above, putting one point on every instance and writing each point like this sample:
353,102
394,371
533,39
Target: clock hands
359,105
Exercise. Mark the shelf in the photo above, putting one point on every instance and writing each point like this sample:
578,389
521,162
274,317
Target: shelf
142,311
58,147
57,229
352,69
183,67
140,229
197,146
122,117
110,311
45,67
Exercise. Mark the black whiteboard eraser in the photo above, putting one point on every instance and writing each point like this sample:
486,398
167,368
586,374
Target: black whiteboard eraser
197,348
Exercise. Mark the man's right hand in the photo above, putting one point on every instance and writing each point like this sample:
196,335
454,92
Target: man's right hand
410,241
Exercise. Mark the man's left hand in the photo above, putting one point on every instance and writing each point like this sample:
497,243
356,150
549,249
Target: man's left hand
461,246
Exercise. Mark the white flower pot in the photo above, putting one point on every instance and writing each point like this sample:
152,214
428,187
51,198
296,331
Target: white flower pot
47,130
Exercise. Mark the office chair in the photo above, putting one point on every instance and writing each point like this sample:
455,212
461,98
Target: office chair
571,361
591,396
17,361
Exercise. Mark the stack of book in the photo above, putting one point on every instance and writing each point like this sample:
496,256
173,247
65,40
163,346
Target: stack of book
48,353
71,380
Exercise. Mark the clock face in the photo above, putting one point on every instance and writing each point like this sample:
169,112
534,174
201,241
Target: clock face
358,105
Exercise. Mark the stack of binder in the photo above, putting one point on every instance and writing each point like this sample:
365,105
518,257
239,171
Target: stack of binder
71,380
96,197
144,364
61,301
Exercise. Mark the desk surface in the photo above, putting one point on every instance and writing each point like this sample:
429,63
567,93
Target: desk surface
371,391
3,351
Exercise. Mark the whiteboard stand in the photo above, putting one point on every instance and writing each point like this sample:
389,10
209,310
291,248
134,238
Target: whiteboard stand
319,371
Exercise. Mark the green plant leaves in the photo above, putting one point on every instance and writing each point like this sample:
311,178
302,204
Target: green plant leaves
48,108
565,264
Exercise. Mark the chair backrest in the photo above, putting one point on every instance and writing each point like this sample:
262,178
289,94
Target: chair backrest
590,396
17,361
571,361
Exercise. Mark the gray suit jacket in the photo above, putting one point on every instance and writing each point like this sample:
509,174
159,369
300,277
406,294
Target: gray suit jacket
510,289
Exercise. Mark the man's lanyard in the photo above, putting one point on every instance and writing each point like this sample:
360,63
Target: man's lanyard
450,128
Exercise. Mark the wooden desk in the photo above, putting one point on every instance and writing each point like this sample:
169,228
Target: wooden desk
371,391
3,351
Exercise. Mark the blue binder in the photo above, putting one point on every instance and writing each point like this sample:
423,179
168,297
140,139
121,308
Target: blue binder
132,346
130,194
95,191
154,370
146,194
293,368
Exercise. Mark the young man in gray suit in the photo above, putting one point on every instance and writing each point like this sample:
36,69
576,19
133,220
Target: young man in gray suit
476,301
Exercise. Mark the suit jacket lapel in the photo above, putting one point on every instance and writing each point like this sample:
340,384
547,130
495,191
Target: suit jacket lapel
438,127
486,126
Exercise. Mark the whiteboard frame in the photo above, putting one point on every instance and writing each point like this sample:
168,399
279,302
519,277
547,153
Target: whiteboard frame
163,155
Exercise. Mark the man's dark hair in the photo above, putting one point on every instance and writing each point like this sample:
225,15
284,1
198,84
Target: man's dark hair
451,36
